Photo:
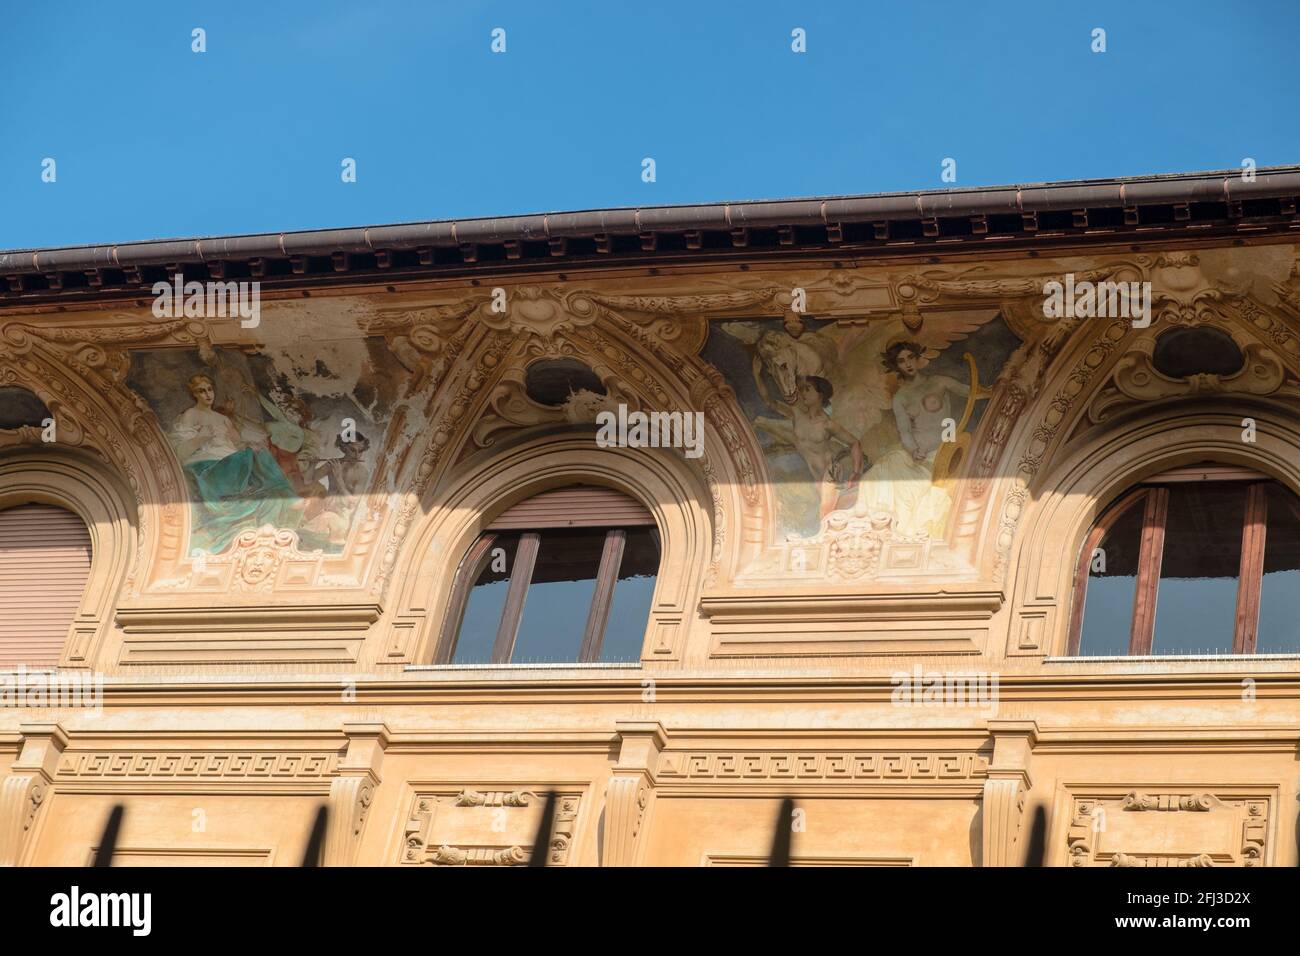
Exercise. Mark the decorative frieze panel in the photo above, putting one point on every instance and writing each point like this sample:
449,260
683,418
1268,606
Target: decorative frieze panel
821,767
948,620
888,433
1174,828
176,765
282,632
470,827
741,859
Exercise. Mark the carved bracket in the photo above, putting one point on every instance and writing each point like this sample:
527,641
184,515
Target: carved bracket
24,789
353,791
631,791
1005,789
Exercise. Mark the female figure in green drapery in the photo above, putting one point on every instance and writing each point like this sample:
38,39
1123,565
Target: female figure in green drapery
234,485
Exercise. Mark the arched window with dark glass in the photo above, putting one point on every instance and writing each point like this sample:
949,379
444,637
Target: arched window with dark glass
1198,560
565,576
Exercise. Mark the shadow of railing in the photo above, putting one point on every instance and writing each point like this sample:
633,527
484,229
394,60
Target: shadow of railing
782,834
778,854
1036,847
108,841
312,855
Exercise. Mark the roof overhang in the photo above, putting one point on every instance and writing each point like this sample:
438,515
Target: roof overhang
1038,216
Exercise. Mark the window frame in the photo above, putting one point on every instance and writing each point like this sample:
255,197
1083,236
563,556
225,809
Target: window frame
521,576
1153,496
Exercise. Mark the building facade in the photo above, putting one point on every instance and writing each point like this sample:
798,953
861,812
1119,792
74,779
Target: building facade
936,513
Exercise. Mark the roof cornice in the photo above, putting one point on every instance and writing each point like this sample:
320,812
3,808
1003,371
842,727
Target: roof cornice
1191,205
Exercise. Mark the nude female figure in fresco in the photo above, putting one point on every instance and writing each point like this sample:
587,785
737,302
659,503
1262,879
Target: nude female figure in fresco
234,482
901,482
884,401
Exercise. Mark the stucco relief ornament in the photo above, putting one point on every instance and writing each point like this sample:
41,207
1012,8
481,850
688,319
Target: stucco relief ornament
539,313
258,555
1135,378
509,406
1183,295
497,798
920,291
1136,800
455,856
1196,860
422,335
22,435
855,543
679,318
1288,292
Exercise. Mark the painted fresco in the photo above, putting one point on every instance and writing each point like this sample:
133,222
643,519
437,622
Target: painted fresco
266,439
851,417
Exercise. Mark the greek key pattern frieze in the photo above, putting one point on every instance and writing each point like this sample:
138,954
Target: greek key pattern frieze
826,767
207,765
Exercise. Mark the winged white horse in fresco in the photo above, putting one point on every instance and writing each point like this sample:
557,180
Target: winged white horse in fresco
886,416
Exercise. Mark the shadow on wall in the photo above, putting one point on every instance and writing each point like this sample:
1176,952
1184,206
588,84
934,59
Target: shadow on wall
778,854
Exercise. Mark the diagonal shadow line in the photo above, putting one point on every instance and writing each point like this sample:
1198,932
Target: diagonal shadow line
316,842
779,855
542,840
1036,848
108,841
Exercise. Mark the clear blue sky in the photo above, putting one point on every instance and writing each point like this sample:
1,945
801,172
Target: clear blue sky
152,140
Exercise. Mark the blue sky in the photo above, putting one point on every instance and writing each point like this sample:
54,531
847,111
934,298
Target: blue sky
152,140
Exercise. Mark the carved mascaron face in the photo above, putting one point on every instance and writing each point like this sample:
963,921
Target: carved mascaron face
855,543
258,565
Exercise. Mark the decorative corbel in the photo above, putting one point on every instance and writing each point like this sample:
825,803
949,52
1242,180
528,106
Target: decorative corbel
26,786
1005,788
630,792
353,791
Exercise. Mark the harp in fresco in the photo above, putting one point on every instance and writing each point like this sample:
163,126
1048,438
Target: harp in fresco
949,459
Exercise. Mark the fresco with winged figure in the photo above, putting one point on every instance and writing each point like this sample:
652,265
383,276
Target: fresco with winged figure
868,420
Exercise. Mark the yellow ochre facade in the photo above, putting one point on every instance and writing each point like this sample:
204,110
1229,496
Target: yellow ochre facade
868,593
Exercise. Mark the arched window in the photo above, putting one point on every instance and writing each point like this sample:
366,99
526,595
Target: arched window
567,575
1198,560
44,564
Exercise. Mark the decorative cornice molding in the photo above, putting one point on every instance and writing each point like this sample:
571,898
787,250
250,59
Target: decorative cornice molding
923,603
163,765
240,619
827,768
1088,213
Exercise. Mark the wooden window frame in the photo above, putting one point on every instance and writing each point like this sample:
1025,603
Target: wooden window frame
521,579
1250,577
1095,536
470,568
1153,497
1151,556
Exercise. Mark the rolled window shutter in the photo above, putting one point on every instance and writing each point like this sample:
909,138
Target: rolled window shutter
44,564
576,506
